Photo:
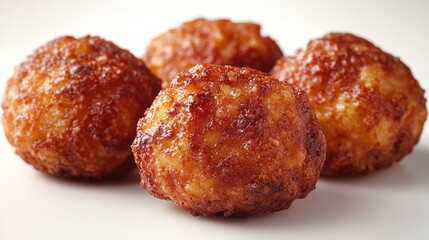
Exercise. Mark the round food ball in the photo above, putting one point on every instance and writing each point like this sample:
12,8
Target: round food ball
71,108
229,141
210,41
370,106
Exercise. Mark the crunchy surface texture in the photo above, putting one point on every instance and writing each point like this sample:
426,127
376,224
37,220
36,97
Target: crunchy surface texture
71,108
371,108
210,41
223,140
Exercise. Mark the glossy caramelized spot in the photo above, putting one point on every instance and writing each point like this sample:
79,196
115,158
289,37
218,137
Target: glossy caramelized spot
70,108
210,41
371,108
231,141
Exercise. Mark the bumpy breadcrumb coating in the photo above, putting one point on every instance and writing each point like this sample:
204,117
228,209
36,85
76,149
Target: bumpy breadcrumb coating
210,41
371,108
71,108
229,141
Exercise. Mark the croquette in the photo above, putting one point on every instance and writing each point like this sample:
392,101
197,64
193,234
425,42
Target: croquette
369,105
71,108
210,41
229,141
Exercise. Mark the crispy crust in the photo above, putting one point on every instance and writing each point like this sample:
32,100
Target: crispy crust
229,141
371,108
71,108
210,41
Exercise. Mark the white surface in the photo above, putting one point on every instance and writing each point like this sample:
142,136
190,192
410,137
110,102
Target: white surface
391,204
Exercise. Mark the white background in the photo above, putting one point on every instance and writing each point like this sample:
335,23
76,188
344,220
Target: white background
391,204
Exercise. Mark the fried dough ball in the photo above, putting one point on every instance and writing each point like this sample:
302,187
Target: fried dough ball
210,41
371,108
71,108
229,141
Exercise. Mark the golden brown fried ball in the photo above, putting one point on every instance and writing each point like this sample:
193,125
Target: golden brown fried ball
230,141
370,106
210,41
71,108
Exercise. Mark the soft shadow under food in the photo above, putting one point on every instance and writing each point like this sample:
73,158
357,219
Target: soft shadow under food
410,172
320,205
130,178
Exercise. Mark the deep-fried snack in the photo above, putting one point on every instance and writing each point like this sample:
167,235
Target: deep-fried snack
71,108
229,141
371,108
210,41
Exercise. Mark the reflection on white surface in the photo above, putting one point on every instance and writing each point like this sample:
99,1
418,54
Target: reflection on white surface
381,204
